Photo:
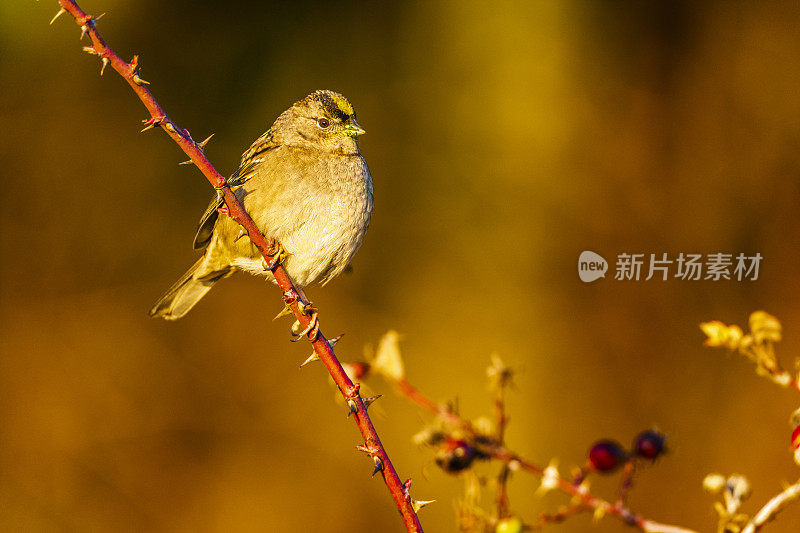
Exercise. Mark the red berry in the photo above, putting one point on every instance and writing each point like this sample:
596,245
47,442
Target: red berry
606,455
796,438
649,444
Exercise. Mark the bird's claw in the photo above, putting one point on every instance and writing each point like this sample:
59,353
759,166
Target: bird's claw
306,308
312,329
277,256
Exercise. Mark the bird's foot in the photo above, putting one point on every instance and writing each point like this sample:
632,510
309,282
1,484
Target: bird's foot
277,255
312,328
304,307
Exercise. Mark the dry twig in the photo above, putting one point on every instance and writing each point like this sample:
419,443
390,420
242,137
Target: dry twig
492,448
772,508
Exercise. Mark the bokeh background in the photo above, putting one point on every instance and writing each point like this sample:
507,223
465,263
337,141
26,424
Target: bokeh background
504,139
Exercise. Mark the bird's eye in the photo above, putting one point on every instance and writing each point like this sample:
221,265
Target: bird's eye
323,122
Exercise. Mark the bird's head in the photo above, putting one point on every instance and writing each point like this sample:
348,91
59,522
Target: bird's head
323,120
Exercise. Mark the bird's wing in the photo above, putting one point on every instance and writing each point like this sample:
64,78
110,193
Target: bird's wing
206,226
248,165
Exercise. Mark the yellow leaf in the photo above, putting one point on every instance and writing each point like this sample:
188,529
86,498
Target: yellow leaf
721,335
388,361
765,327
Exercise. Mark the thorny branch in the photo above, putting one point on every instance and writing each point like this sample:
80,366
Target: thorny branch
551,479
500,378
267,247
458,434
460,442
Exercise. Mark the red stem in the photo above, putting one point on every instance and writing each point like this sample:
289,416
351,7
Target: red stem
505,471
626,482
499,452
290,294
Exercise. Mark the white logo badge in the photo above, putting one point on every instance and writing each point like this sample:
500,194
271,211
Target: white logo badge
591,266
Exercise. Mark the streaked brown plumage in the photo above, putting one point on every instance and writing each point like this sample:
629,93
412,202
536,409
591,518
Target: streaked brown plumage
304,183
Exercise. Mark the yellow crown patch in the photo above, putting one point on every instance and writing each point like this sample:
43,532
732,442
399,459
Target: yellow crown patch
342,103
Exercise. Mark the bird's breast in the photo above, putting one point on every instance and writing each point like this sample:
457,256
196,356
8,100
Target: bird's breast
320,217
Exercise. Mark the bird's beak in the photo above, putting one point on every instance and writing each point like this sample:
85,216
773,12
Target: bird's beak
352,129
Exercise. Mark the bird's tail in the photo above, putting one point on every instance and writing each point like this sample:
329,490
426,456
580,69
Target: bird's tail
187,291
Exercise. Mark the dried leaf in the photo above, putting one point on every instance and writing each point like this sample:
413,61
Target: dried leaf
388,361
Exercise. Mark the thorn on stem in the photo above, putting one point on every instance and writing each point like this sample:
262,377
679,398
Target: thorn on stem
311,358
372,452
353,392
314,357
88,20
202,144
152,122
364,448
378,465
369,401
139,81
134,69
419,504
105,64
60,12
407,489
335,340
286,311
351,396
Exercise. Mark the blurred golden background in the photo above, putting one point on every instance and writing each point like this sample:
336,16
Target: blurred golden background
503,139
